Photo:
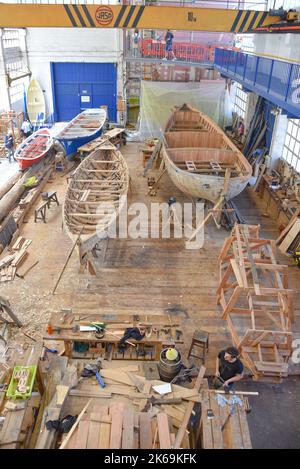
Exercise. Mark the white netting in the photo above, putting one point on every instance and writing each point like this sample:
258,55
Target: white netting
158,98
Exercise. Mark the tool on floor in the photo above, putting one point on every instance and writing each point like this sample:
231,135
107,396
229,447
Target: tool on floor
233,401
153,401
185,374
100,379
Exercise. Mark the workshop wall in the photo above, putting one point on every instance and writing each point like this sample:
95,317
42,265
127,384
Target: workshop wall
46,45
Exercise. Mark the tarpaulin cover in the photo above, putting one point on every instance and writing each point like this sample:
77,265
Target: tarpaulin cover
158,98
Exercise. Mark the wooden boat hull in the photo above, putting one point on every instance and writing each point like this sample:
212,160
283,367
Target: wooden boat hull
102,178
208,187
33,149
200,159
35,102
76,133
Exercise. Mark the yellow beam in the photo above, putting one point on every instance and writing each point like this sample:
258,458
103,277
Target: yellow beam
135,16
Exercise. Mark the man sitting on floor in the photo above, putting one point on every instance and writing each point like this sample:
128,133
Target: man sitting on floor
229,369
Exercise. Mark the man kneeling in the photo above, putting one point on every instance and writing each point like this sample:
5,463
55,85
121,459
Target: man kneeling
229,369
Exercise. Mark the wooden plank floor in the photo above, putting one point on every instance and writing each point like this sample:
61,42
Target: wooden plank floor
139,276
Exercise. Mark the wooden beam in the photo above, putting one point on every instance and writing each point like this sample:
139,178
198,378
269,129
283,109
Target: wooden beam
80,416
189,410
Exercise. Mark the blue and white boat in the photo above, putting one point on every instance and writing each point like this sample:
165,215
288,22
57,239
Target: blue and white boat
82,129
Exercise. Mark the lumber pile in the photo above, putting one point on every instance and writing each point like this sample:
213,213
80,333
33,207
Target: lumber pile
11,262
118,425
256,302
289,239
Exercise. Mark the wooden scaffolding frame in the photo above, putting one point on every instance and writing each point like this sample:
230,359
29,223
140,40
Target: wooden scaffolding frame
256,302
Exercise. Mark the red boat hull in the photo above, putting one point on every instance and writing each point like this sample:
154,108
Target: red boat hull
24,164
33,149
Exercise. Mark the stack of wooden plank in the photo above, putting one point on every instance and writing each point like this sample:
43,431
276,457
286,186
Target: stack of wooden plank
168,422
10,263
256,302
289,239
117,426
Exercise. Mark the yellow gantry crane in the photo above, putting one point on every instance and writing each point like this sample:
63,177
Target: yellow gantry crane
137,16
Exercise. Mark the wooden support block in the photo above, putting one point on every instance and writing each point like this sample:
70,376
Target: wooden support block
61,393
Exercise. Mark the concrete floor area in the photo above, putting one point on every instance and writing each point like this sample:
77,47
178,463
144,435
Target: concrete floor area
275,416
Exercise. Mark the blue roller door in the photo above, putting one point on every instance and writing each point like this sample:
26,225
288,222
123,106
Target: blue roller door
78,86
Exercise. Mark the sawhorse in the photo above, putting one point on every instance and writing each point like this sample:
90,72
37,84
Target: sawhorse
40,212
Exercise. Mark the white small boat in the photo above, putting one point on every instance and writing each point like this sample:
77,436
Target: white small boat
198,155
35,102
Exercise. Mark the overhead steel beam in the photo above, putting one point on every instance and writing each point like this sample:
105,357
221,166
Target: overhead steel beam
133,16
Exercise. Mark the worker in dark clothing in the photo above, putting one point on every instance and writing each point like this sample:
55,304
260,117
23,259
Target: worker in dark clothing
137,333
9,145
229,369
169,45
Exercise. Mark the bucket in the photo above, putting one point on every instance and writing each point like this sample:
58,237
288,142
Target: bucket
168,369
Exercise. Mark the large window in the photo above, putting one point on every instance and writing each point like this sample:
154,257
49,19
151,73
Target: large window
240,102
13,43
291,149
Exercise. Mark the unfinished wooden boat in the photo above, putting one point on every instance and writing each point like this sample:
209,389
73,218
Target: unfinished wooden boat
82,129
34,148
95,196
200,159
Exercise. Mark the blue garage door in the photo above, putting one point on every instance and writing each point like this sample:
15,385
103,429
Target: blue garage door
78,86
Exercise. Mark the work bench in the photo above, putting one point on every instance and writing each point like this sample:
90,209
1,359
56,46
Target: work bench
115,136
159,335
274,199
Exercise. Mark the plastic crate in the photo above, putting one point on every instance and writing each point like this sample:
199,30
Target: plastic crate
12,391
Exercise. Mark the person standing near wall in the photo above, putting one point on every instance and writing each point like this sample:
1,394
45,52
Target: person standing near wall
26,129
169,45
9,145
135,43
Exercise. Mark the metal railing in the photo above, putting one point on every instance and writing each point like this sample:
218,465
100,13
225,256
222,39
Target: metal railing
185,49
276,80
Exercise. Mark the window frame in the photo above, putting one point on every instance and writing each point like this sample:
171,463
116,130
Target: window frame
291,146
